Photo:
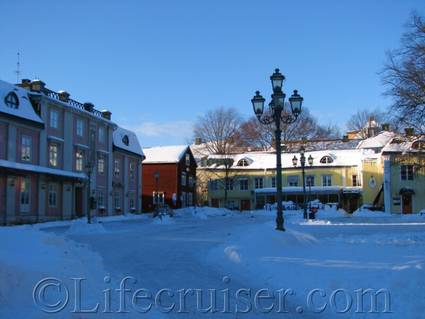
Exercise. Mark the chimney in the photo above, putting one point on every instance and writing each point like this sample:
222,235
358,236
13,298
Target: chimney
372,131
106,114
63,96
345,138
198,141
409,131
37,85
26,84
386,127
88,107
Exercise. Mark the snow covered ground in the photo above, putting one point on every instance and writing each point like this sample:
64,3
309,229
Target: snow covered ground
316,269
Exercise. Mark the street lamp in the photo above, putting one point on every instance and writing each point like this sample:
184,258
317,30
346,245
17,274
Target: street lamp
302,162
278,115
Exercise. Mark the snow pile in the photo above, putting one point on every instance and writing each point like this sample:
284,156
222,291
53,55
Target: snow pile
29,255
329,258
81,227
203,212
163,220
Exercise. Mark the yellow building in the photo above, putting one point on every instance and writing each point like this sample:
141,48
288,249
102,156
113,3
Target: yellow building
404,174
334,177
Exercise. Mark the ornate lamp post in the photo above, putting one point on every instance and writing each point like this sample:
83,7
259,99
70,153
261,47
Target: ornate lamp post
277,114
302,161
156,175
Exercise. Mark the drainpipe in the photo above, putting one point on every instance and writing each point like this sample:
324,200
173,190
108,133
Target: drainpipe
387,185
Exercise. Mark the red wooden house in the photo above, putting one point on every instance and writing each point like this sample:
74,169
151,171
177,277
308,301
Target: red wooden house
169,176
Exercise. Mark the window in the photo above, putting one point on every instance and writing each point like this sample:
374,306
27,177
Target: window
229,184
53,155
187,159
406,172
24,195
273,181
131,170
243,162
131,201
258,182
158,198
183,179
26,145
326,180
101,135
80,127
12,100
79,160
190,181
293,180
52,195
326,160
214,185
309,180
117,200
243,184
54,118
117,167
100,199
101,165
355,181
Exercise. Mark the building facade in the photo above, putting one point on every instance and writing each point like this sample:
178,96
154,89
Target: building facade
55,153
169,177
383,172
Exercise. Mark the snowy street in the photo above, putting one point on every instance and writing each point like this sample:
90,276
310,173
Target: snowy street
211,251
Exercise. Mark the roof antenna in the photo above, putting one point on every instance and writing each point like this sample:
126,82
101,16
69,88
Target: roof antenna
18,67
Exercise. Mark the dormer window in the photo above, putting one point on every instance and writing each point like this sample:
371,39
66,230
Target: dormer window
12,100
326,160
125,140
243,162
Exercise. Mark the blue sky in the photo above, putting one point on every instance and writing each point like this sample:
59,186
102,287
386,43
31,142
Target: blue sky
159,64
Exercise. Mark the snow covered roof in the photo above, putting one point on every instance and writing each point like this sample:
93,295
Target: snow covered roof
127,140
264,160
404,144
377,141
22,108
165,154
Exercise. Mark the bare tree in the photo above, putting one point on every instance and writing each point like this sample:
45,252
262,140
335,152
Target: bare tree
359,120
219,130
404,76
257,135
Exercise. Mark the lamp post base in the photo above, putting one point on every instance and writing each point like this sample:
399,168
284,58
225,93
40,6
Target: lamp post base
279,223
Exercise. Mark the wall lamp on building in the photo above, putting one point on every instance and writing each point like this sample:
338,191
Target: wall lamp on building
302,161
278,114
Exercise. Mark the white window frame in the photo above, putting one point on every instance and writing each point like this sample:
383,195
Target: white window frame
53,154
326,180
258,182
243,184
52,197
79,160
79,127
183,179
117,164
101,165
293,180
101,135
26,148
54,118
25,195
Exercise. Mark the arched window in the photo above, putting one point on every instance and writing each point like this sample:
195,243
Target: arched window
243,162
12,100
326,159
